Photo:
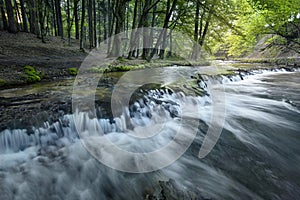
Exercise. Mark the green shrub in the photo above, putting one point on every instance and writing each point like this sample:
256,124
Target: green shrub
31,75
72,71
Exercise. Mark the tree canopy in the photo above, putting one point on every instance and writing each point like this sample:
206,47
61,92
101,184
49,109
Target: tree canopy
221,27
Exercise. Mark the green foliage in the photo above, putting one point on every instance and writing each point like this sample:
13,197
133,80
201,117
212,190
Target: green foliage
31,75
281,17
72,71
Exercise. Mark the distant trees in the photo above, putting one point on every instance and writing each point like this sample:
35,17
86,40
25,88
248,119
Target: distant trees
213,24
278,19
281,18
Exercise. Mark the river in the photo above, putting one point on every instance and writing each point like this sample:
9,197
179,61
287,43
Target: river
256,157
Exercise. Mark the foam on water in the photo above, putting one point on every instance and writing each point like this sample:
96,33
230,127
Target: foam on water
53,164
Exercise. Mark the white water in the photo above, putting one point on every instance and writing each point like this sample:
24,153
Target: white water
257,156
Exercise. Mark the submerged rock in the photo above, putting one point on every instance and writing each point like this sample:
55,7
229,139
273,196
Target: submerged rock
170,190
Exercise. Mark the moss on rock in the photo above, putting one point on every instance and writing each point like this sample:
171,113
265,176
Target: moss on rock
72,71
31,75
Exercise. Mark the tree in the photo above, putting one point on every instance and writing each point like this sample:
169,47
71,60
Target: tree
76,17
12,25
91,29
69,22
33,17
3,15
280,18
24,17
82,30
163,35
119,12
59,18
42,13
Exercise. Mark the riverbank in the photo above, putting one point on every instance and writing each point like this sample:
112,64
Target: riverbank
268,51
56,59
283,61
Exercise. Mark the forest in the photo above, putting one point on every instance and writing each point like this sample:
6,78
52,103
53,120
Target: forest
224,28
149,99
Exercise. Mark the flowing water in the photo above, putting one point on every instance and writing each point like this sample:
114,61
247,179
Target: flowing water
256,157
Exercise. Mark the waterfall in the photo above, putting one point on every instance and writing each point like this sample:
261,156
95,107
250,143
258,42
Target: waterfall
163,101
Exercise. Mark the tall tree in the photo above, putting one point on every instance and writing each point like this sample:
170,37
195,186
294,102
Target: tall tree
17,15
54,20
104,14
59,18
12,25
146,34
82,29
3,15
42,13
76,18
132,36
91,30
33,17
163,34
120,8
69,22
24,16
196,49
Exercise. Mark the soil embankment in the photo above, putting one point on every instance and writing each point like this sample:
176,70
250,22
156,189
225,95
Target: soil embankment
52,58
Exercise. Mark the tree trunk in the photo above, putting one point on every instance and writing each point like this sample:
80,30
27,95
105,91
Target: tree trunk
164,37
82,25
3,15
132,36
104,21
111,20
137,34
153,22
203,36
54,20
18,15
75,13
32,17
171,44
59,19
24,17
69,22
120,16
42,12
95,24
195,53
90,14
12,25
164,31
146,34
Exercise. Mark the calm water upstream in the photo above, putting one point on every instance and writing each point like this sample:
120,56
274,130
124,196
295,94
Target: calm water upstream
256,157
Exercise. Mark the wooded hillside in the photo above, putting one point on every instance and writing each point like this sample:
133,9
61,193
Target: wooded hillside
221,27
